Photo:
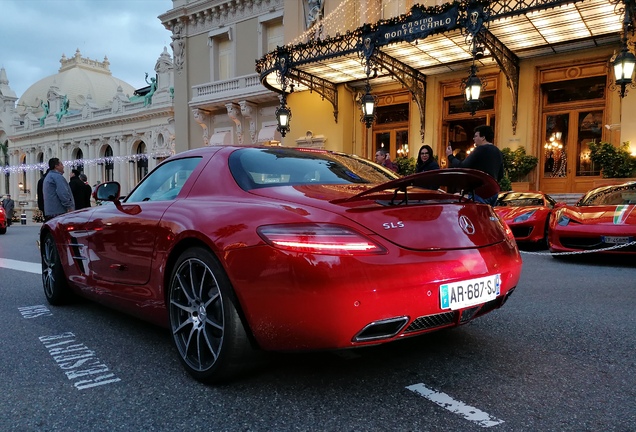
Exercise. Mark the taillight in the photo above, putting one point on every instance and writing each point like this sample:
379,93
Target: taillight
318,238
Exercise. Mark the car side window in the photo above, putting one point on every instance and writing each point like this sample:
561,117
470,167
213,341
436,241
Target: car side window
165,182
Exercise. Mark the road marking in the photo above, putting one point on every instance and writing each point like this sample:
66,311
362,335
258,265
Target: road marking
30,312
21,265
475,415
79,363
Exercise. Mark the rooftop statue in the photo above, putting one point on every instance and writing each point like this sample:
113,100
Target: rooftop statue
45,107
63,109
153,87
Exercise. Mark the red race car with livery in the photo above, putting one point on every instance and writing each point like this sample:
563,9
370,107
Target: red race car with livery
603,220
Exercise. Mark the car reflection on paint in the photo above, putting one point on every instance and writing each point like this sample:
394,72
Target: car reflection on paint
240,249
3,220
603,220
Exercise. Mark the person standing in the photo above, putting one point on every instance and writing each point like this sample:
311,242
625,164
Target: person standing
88,190
383,158
80,197
486,158
58,198
41,192
9,206
425,160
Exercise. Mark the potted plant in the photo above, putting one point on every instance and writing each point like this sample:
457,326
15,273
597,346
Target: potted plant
517,166
614,162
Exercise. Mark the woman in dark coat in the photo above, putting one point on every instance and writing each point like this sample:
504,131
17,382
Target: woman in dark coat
425,160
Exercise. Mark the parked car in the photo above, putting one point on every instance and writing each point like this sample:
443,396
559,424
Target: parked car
603,218
527,214
3,220
238,249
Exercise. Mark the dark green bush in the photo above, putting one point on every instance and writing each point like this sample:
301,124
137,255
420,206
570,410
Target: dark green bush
614,162
518,164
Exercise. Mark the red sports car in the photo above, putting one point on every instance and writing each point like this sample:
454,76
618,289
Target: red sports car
603,220
243,248
3,220
526,213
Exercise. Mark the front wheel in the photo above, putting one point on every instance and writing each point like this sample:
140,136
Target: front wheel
54,282
206,328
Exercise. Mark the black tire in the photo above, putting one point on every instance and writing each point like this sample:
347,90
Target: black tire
54,281
206,328
3,230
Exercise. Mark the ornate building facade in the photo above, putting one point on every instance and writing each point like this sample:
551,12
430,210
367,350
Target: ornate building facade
90,120
542,79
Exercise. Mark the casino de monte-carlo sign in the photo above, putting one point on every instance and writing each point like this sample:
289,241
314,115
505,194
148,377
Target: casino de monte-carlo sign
417,26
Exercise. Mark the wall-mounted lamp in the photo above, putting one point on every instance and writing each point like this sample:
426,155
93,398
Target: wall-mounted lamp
283,115
624,61
368,103
624,69
472,89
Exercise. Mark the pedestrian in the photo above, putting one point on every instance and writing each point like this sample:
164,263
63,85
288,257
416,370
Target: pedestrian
486,157
383,158
41,192
9,205
78,188
58,198
88,190
425,160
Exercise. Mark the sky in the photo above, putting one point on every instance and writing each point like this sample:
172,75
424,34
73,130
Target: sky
35,33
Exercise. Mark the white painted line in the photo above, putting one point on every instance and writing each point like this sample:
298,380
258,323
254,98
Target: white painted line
21,265
475,415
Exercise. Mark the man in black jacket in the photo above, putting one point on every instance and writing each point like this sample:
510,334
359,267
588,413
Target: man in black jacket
41,193
486,158
78,188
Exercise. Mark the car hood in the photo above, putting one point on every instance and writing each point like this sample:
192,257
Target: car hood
513,212
432,220
612,214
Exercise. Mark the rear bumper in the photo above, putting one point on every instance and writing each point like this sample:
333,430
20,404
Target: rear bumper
303,302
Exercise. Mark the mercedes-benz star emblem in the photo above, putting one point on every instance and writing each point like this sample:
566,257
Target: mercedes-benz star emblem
466,225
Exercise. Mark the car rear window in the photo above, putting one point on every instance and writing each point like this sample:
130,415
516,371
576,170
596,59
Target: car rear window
254,168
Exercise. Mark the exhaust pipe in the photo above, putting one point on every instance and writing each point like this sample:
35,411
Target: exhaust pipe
382,329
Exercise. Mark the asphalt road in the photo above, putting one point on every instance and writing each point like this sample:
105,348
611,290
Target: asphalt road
559,356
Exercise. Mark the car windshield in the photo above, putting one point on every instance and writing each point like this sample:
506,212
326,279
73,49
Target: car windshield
254,168
616,195
519,200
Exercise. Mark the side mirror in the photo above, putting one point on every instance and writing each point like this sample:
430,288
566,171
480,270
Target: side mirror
108,191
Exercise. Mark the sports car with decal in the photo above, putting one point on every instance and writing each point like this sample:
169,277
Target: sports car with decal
240,249
527,214
603,220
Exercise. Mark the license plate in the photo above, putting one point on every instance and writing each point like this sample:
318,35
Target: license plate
616,240
458,295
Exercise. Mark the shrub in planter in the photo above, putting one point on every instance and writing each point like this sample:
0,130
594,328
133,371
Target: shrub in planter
614,162
505,184
406,165
518,164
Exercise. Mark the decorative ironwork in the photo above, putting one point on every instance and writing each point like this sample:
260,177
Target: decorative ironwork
509,63
624,61
471,17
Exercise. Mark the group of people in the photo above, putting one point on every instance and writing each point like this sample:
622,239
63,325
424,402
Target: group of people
56,196
486,158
